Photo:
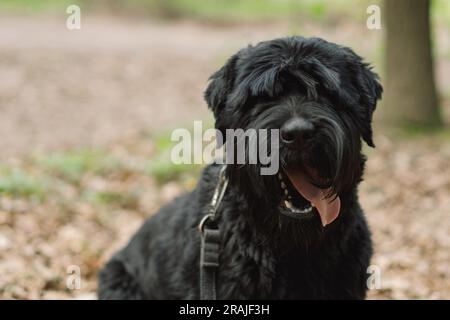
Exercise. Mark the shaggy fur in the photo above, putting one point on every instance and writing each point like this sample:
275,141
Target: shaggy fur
266,255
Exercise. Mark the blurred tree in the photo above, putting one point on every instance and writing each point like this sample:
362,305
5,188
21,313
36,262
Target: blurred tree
410,87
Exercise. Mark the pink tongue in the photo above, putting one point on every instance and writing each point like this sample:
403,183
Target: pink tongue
328,210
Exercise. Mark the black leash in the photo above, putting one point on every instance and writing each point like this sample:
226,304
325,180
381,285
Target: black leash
210,246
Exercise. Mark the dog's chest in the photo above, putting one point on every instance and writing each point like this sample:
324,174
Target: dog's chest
297,276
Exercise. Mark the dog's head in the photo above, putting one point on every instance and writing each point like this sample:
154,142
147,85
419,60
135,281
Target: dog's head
321,97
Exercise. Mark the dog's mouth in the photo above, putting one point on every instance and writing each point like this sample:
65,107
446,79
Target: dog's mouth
294,204
302,199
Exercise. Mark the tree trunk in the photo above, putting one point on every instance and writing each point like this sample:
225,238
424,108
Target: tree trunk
410,87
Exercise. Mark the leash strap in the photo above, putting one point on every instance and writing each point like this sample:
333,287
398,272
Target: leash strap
209,262
210,245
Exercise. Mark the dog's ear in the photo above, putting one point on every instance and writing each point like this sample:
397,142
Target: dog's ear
365,86
216,95
220,85
370,92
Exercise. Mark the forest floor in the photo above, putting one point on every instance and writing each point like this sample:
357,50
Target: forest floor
85,124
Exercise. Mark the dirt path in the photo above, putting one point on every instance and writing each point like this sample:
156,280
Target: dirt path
61,88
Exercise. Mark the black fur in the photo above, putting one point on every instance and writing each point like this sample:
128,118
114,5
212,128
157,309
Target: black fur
265,255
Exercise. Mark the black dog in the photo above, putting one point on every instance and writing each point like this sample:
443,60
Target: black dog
299,234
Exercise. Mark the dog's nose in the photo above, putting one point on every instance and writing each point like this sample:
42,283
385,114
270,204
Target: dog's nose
296,131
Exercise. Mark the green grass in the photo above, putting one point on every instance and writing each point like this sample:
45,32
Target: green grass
59,170
222,10
409,131
235,9
161,167
113,198
18,183
164,171
440,10
210,10
33,6
244,10
415,130
72,165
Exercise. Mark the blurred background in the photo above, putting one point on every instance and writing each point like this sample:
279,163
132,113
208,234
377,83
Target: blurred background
86,116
